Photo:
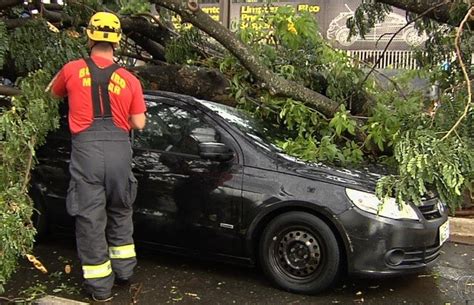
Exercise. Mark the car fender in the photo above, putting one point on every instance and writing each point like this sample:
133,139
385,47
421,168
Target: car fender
270,211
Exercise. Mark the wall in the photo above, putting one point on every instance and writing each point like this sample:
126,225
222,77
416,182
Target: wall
331,16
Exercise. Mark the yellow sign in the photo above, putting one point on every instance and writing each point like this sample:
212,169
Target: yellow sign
309,8
249,14
212,11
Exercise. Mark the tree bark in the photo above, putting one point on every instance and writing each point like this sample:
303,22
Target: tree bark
274,83
15,23
141,25
441,14
152,47
9,91
9,3
151,37
201,83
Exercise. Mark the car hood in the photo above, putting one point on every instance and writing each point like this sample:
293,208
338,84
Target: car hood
358,179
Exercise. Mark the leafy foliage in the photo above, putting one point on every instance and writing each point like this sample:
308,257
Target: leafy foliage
3,42
181,50
403,128
45,45
23,127
426,161
133,6
366,15
290,45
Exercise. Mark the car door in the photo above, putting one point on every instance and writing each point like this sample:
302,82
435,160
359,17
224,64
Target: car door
51,175
184,200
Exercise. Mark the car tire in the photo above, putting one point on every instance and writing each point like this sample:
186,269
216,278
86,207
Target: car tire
341,38
39,217
412,38
299,253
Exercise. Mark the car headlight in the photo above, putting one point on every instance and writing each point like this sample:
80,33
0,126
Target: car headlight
442,207
390,208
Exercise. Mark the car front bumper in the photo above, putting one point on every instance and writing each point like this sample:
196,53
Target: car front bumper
380,246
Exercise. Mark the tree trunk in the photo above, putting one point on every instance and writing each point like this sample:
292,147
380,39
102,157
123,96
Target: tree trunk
274,83
201,83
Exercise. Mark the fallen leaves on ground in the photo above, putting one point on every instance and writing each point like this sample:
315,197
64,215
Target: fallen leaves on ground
36,263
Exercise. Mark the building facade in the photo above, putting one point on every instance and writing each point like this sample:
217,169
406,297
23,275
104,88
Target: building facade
332,16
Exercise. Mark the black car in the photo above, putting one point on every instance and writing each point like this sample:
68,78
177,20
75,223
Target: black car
212,184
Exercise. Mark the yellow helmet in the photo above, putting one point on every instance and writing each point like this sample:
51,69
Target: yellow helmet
104,27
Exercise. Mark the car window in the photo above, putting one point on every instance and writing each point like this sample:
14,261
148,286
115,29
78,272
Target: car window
170,128
263,134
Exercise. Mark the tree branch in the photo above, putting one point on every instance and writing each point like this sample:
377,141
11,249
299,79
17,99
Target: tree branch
15,23
428,11
440,14
29,165
9,3
203,83
9,91
141,25
152,47
53,6
464,71
56,16
150,36
274,83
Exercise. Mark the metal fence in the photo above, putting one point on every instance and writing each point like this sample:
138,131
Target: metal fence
392,59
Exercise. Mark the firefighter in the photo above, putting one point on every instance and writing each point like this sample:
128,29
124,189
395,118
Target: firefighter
105,102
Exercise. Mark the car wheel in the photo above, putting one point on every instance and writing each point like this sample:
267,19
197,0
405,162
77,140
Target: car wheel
413,38
39,218
299,253
341,38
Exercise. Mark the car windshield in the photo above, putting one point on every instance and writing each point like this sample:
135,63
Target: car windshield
263,134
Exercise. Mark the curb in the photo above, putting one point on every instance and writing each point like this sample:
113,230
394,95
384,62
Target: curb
461,230
53,300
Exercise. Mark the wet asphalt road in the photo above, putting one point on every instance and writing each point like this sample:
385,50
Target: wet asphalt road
166,279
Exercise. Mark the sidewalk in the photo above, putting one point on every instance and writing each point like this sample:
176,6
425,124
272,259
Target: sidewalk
54,300
461,230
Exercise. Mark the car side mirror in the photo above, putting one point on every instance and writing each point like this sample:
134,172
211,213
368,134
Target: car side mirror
215,151
204,134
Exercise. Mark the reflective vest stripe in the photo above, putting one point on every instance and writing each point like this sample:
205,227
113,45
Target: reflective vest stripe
126,251
97,271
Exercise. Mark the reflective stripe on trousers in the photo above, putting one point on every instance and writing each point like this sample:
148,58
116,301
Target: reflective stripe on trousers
122,252
97,271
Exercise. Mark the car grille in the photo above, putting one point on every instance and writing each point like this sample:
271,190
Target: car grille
430,209
415,258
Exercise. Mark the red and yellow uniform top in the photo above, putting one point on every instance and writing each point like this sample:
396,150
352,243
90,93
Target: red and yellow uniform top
74,81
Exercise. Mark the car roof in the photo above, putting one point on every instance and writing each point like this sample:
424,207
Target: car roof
187,99
171,95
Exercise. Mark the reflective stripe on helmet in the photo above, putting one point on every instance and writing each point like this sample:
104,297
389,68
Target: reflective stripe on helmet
97,271
126,251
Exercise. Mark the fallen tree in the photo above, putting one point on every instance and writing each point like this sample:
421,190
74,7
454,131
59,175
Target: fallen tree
281,70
